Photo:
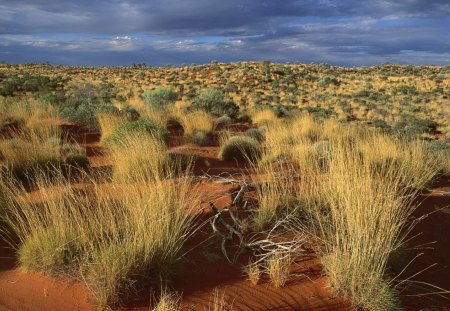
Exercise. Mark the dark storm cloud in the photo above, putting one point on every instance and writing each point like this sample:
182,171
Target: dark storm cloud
106,32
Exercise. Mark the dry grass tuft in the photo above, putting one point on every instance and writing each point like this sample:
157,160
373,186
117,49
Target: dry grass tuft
115,244
219,302
253,272
278,265
195,122
168,302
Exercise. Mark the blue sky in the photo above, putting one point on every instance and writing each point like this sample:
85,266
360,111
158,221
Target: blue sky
119,32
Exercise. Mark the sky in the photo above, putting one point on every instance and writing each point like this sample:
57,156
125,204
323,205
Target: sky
157,33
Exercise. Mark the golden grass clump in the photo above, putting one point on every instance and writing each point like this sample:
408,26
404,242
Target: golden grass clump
416,166
274,191
168,302
264,116
195,121
139,155
355,189
363,218
219,303
36,116
113,236
253,272
108,123
15,152
278,266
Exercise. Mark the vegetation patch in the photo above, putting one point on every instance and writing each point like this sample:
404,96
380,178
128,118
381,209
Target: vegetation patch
140,126
240,148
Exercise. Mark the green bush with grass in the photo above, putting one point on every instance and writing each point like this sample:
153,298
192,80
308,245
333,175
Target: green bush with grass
84,112
257,134
160,98
215,102
240,148
139,126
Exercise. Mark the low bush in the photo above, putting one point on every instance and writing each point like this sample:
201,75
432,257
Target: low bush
200,138
197,121
214,102
130,113
223,120
257,134
84,112
140,126
415,125
240,148
160,98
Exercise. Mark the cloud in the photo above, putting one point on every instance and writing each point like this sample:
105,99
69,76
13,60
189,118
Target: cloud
108,32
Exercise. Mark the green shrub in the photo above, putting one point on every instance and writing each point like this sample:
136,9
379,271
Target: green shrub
257,134
281,111
130,113
415,125
214,102
223,120
85,113
240,148
160,97
200,138
319,112
138,126
378,123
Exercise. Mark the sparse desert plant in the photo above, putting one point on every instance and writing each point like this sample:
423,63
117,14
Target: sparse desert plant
215,102
168,302
84,112
135,238
160,98
263,117
223,120
254,133
240,148
440,151
274,191
49,155
278,265
108,123
139,155
130,113
30,115
200,138
219,302
321,153
52,250
253,272
84,92
196,121
352,197
125,129
306,128
415,165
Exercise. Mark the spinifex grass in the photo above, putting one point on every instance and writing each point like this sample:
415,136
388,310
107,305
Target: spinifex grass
116,237
362,217
139,155
355,190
